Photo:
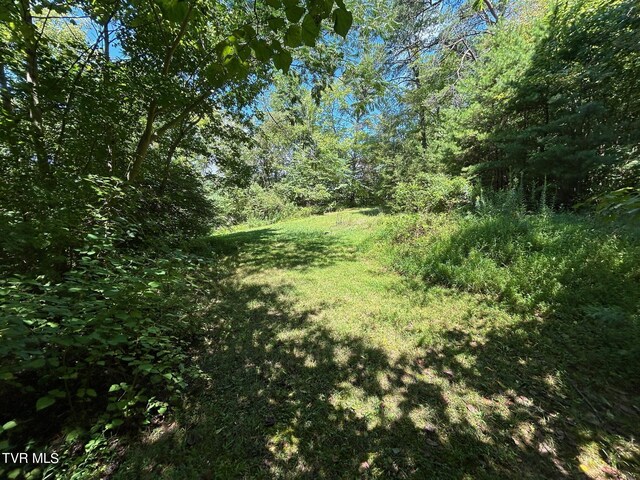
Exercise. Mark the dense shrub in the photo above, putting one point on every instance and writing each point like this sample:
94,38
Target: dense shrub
179,210
107,331
267,204
44,227
543,262
317,196
95,328
254,204
431,192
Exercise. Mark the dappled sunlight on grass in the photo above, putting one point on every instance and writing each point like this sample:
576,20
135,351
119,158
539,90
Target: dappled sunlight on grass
322,365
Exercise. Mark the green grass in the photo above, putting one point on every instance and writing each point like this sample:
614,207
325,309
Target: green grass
322,362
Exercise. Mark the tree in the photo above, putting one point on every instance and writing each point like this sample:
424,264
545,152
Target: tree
185,57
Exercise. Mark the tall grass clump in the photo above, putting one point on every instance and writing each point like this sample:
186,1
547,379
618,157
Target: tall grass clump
554,263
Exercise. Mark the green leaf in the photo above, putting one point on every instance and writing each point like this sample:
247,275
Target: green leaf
310,30
9,425
321,7
276,23
282,60
274,3
114,423
37,363
342,21
227,53
44,402
293,37
74,434
215,74
174,10
57,393
261,50
294,13
275,46
5,13
236,67
248,32
244,52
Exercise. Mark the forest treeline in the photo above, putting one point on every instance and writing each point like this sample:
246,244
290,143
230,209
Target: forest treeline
440,100
129,128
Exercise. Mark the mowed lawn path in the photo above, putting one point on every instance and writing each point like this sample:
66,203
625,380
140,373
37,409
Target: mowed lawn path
323,363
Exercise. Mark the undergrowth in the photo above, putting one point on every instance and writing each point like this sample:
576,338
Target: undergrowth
532,263
96,334
575,273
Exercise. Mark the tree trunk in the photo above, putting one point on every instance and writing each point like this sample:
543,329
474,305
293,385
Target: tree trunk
4,91
423,127
172,150
422,114
144,143
106,44
31,70
152,111
106,81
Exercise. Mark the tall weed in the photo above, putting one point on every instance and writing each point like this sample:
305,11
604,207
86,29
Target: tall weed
546,262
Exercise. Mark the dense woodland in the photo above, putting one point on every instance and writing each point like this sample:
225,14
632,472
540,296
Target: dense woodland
501,139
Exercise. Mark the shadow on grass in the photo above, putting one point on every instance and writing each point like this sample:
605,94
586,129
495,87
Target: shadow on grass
372,212
288,398
266,248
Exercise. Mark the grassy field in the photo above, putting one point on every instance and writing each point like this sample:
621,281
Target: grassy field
322,362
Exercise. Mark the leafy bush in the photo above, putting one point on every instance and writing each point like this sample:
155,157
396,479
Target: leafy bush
180,210
105,322
45,227
95,328
317,196
253,204
106,346
431,192
267,204
623,204
532,263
